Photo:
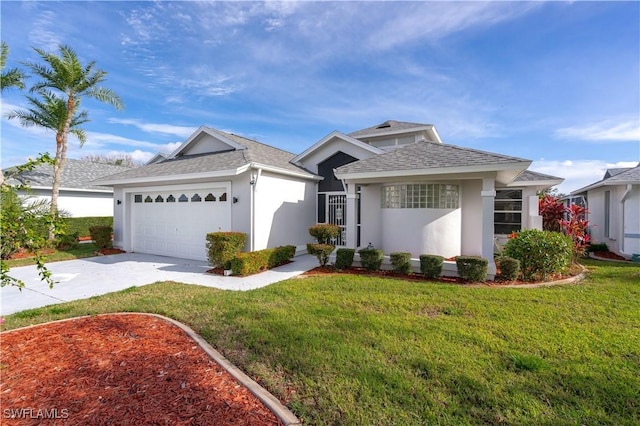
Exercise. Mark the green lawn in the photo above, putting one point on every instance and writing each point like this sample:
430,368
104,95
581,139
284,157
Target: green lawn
359,350
83,250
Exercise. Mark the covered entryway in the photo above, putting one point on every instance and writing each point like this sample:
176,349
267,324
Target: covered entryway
175,223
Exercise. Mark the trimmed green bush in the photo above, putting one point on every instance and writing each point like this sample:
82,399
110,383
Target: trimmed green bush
472,268
371,259
101,235
401,262
223,246
281,255
321,251
598,247
67,241
509,268
540,253
250,263
324,232
431,265
344,258
81,225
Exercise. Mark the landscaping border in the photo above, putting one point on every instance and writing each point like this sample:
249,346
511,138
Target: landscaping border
271,402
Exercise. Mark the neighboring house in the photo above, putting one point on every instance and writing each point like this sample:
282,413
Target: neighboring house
78,196
614,210
395,185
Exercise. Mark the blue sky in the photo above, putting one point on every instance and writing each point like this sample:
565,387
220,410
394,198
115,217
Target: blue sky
556,82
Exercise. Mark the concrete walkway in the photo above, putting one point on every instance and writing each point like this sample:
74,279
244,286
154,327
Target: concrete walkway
93,276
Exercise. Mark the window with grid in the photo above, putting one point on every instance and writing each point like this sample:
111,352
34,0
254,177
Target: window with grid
507,211
420,196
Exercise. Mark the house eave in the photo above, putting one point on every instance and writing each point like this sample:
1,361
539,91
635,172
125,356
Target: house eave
174,178
540,183
48,188
430,128
284,171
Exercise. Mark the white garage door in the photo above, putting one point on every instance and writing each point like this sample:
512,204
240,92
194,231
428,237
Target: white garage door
175,223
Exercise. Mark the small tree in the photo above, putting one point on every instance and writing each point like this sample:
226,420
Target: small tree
575,226
323,233
552,211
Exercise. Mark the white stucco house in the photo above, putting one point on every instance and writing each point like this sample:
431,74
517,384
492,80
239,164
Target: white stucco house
395,185
78,196
613,204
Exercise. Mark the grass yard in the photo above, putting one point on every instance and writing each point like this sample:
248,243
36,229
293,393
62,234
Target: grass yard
83,250
355,350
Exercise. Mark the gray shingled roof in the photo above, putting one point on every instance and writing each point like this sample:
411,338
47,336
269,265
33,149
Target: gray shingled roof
387,126
219,161
631,175
426,155
612,172
77,174
531,176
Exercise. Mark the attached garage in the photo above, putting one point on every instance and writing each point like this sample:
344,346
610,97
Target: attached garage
175,222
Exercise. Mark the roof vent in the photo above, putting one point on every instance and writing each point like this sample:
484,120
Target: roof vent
384,125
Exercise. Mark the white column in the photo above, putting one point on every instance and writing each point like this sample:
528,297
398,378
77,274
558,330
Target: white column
351,218
488,196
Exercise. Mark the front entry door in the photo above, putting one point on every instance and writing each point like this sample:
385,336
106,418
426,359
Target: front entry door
336,214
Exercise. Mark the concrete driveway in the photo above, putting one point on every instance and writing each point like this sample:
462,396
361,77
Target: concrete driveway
84,278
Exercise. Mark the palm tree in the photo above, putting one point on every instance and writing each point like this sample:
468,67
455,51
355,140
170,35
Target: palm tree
12,77
63,83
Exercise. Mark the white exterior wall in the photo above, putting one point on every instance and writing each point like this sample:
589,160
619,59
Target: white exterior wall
471,218
371,216
77,203
119,212
284,210
422,231
631,231
596,216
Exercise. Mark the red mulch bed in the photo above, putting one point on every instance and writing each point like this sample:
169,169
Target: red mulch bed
119,370
608,255
22,254
109,251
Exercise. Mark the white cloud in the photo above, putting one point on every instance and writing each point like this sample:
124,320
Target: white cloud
45,34
168,129
618,130
577,173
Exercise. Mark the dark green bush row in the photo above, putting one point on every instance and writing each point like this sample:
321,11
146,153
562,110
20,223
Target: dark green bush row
401,262
256,261
344,258
509,268
598,247
101,235
472,268
81,225
224,246
371,259
431,265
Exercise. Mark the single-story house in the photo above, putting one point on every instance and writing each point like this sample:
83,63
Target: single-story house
613,205
78,196
395,185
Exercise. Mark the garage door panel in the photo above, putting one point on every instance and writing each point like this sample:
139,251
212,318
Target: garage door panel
167,226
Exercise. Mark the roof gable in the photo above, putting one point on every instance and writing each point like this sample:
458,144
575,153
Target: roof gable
206,140
315,151
393,127
618,176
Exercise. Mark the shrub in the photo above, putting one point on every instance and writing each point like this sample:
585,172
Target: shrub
431,265
281,255
81,225
324,232
598,247
344,258
401,262
250,263
321,251
223,246
509,268
67,241
371,259
472,268
540,252
101,235
552,211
